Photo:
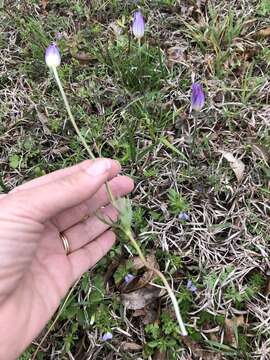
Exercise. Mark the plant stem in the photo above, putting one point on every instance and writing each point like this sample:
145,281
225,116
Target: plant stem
58,81
140,51
164,280
73,122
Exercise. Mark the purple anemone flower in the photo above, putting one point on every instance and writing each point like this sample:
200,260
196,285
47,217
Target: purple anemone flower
52,56
191,287
129,278
138,25
184,216
107,336
197,97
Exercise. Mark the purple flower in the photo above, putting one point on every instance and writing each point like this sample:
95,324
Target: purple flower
197,97
138,25
129,278
52,56
107,336
191,287
184,216
59,36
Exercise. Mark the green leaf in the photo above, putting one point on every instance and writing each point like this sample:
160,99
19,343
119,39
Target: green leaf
14,161
165,142
125,209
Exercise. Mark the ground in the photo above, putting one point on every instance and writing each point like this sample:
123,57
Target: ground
201,204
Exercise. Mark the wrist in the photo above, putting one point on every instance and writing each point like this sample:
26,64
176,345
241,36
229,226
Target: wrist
14,322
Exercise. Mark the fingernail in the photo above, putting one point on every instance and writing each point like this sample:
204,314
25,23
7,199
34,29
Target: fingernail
99,167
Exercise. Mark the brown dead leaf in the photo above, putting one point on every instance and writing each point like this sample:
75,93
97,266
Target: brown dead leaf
240,320
149,313
160,355
249,53
130,346
231,326
237,165
146,278
61,150
176,55
211,331
263,33
230,333
44,121
267,288
139,312
116,29
138,299
198,352
112,268
261,151
44,4
137,263
83,57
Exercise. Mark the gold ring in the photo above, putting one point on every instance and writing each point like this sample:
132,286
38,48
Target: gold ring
65,243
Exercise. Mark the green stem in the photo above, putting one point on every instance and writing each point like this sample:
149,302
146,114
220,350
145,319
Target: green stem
140,51
164,280
73,122
58,81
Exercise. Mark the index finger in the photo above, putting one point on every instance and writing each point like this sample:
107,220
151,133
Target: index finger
59,174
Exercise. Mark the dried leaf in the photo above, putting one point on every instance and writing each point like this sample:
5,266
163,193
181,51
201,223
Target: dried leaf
116,29
198,352
160,355
261,151
263,33
250,53
131,346
83,57
211,332
176,55
44,121
144,279
237,165
138,299
231,326
139,312
44,4
137,263
230,333
267,288
149,313
112,268
240,320
149,275
61,150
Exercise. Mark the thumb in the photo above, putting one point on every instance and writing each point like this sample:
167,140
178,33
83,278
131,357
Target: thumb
43,202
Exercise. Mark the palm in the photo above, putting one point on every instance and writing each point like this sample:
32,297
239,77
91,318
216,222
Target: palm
51,270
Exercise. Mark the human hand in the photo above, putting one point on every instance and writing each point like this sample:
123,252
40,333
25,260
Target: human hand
35,272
